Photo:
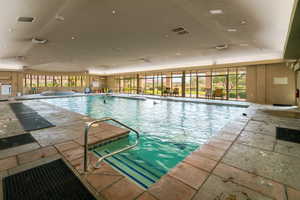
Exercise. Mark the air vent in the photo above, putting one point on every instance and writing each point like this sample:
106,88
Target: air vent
180,31
176,30
25,19
146,60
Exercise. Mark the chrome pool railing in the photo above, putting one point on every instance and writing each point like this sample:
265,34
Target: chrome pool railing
88,126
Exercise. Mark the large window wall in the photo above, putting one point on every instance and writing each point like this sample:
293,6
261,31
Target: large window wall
224,83
40,82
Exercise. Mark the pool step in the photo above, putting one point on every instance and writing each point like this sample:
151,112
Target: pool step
137,169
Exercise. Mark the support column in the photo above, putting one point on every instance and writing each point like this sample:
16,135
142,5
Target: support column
183,84
138,84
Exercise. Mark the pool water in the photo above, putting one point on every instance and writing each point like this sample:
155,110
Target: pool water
169,130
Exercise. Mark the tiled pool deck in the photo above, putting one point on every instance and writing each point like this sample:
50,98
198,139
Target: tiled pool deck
243,162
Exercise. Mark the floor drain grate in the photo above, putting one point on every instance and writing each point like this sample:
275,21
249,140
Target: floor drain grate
290,135
52,181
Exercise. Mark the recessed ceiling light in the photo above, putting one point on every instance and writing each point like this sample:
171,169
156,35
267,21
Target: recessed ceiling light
59,18
73,38
243,22
244,45
38,41
232,30
25,19
216,12
113,12
178,54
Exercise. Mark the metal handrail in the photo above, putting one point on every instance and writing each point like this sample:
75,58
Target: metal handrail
88,126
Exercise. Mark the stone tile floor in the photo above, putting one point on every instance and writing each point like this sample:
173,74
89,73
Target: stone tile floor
243,162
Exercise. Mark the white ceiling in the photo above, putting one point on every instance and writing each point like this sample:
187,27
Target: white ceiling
111,36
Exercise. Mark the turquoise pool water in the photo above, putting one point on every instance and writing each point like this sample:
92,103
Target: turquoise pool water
169,130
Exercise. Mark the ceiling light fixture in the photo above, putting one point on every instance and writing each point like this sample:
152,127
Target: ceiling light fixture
232,30
243,22
113,12
59,18
244,45
216,12
38,41
222,47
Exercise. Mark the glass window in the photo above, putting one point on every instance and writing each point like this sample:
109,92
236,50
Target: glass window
149,85
223,83
177,84
134,85
27,80
49,81
84,81
42,81
78,81
57,81
204,87
219,86
188,84
142,86
72,81
65,81
158,85
127,85
34,81
117,85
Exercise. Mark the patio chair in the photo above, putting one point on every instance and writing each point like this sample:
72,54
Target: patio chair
175,92
218,93
167,91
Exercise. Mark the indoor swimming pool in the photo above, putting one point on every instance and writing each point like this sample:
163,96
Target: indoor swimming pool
170,131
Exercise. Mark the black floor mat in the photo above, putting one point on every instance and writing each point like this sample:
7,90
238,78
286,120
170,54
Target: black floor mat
29,119
15,141
283,105
289,135
52,181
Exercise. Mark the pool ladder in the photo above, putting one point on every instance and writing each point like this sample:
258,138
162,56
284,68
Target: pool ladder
86,131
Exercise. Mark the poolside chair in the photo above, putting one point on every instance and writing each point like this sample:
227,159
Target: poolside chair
167,91
218,93
175,92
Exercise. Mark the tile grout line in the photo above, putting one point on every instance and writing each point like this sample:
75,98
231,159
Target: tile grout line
219,161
